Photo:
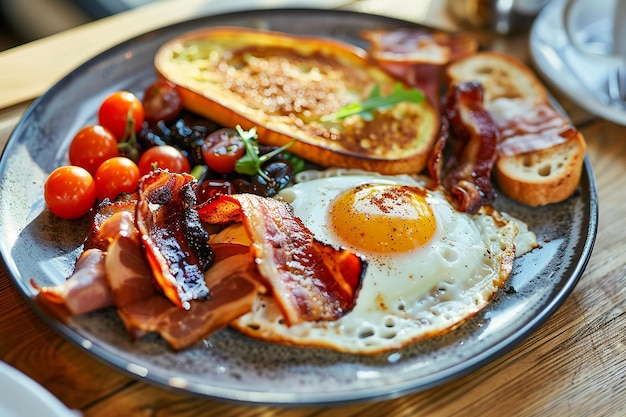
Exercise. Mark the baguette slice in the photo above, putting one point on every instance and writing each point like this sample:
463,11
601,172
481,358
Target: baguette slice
544,176
502,76
541,155
284,85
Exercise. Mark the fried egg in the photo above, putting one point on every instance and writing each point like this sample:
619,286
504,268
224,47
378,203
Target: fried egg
429,267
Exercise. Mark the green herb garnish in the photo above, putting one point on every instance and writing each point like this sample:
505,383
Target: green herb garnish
375,101
250,163
298,164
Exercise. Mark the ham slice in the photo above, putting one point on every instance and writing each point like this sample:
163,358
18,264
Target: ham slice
310,280
85,290
234,284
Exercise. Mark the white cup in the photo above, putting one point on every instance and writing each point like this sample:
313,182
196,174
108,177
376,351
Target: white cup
597,28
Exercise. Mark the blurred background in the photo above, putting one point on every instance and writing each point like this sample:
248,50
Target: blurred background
22,21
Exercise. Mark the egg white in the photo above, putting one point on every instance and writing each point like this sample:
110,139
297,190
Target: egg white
407,296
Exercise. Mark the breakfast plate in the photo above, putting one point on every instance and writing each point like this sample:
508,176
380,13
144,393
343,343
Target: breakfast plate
36,245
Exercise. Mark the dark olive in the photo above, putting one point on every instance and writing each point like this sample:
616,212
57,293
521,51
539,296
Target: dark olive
280,174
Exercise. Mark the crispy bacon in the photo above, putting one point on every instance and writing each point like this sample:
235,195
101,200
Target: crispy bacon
436,158
176,244
102,229
467,173
418,56
310,280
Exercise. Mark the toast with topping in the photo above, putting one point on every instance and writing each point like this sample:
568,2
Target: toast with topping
290,87
540,154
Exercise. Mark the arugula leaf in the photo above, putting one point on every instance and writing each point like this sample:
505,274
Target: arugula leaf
250,163
375,102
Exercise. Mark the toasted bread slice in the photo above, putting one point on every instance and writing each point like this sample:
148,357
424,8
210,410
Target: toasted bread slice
544,176
502,76
544,154
288,86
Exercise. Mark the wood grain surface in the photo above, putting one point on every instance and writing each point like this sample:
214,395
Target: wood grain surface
573,365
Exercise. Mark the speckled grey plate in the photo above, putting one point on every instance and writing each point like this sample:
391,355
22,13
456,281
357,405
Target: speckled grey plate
230,366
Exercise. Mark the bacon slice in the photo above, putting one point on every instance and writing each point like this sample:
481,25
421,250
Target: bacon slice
85,290
526,126
103,230
418,56
309,279
532,142
436,159
467,175
174,239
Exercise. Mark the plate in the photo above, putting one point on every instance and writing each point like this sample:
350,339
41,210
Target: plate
228,365
20,396
578,77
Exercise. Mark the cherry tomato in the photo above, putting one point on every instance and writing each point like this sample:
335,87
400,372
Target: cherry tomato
161,101
115,176
91,146
164,157
115,111
221,150
69,192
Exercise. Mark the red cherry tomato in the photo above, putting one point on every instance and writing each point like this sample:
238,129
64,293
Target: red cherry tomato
69,192
221,150
91,146
163,157
161,101
115,111
115,176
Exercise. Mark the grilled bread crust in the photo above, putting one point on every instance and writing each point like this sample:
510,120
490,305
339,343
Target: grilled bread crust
542,175
287,87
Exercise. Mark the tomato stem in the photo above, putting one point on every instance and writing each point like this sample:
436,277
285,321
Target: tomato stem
128,144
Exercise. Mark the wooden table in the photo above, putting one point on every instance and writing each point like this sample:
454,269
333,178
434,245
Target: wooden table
574,365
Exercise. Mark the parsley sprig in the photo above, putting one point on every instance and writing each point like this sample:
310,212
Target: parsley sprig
376,102
250,163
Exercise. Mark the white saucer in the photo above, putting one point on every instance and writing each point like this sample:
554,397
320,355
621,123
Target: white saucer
581,79
20,396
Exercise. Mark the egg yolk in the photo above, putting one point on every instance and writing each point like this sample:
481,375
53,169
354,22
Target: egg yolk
383,218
